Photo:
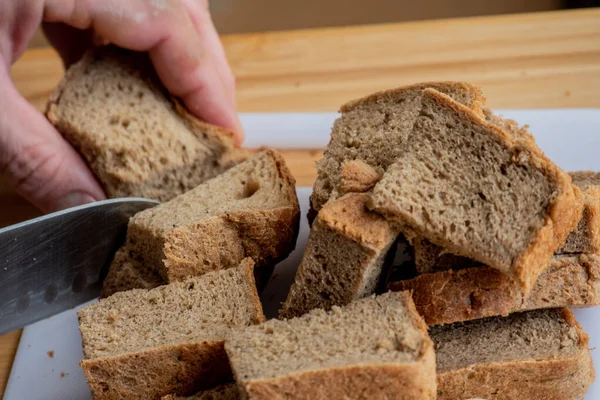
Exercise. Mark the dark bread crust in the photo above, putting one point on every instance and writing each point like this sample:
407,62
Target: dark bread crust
460,295
548,379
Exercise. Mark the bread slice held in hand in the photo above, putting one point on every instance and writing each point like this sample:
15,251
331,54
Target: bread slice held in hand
472,188
344,258
372,130
168,340
373,348
137,139
462,294
540,354
249,211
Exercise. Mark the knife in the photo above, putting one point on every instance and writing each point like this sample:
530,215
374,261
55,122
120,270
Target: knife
56,262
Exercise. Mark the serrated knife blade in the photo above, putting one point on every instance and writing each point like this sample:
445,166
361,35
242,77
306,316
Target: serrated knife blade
56,262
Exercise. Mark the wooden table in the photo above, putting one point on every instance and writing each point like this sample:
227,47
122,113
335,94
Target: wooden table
546,60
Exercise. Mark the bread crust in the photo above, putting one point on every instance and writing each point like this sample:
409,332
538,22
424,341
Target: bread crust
563,215
181,369
585,238
465,294
548,379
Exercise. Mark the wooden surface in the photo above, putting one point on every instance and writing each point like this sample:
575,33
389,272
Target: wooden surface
522,61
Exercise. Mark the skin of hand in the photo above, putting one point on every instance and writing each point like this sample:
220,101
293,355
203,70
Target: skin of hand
183,45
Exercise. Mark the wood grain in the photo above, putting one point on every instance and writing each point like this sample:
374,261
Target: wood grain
522,61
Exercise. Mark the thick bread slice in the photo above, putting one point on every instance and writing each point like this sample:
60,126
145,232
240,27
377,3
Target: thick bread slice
464,294
228,391
249,211
344,257
540,354
373,348
373,128
584,239
127,272
167,340
478,191
136,138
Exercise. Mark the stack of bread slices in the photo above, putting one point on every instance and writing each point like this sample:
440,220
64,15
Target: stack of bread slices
501,241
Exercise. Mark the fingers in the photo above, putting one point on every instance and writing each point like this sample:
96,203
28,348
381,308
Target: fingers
38,162
71,43
181,41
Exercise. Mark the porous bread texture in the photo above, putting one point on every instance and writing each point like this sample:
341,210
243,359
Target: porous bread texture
228,391
127,272
136,138
476,292
540,354
373,128
373,348
472,188
344,258
167,340
249,211
584,239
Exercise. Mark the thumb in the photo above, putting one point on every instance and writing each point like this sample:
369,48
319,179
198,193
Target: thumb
39,164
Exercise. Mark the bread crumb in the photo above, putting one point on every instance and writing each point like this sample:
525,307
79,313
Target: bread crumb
63,374
51,354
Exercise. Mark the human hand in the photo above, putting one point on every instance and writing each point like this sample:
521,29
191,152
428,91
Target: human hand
182,43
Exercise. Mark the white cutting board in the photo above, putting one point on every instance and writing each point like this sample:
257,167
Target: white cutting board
569,137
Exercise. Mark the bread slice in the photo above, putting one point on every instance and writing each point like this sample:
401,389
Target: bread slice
373,348
167,340
373,128
584,239
478,191
228,391
137,139
344,257
249,211
540,354
127,272
477,292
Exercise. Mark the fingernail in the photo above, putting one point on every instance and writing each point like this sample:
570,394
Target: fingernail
72,200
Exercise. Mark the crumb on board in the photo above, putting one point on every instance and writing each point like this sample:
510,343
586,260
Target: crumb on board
51,354
63,374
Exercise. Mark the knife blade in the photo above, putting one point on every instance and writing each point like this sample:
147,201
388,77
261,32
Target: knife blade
58,261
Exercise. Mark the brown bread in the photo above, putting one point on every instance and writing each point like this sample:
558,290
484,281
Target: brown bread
344,257
137,139
478,191
373,348
535,355
476,292
228,391
167,340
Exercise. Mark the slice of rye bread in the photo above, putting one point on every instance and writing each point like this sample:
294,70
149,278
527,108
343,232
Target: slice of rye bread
373,128
373,348
228,391
460,295
344,257
167,340
137,139
127,272
249,211
469,186
534,355
584,239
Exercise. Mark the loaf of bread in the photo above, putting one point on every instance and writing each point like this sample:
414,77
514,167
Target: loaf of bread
583,239
373,128
539,354
137,139
463,294
343,259
249,211
373,348
145,344
467,185
228,391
